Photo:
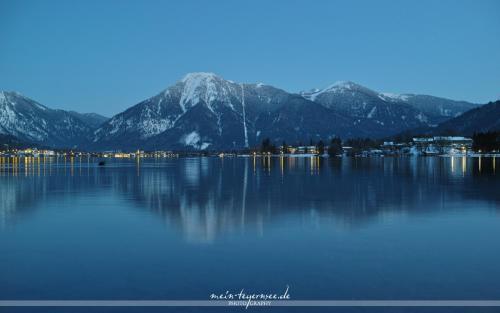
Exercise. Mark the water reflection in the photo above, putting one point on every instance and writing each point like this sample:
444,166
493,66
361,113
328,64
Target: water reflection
208,197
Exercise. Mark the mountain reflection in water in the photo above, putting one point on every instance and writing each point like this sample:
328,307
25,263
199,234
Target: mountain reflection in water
209,197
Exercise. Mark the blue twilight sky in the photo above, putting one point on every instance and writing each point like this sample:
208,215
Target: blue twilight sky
105,56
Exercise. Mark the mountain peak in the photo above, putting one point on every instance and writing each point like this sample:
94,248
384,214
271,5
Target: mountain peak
347,86
11,97
4,94
199,76
203,86
342,84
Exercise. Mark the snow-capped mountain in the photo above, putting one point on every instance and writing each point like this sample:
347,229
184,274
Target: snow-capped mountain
395,111
369,107
437,109
31,121
205,111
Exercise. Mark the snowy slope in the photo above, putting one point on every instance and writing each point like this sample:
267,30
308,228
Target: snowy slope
436,108
31,121
371,109
205,111
396,111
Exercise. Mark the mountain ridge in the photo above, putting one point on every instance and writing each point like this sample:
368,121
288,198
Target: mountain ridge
485,118
205,111
217,112
30,121
357,100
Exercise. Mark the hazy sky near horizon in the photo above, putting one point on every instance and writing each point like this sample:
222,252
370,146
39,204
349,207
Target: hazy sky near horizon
105,56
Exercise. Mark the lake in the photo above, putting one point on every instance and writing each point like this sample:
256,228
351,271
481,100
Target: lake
184,228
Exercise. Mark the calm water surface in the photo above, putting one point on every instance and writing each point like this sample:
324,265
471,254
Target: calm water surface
379,228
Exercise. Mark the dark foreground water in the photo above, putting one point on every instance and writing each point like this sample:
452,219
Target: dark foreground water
173,229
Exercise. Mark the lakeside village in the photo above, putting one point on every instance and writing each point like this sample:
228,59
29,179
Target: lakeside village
482,143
